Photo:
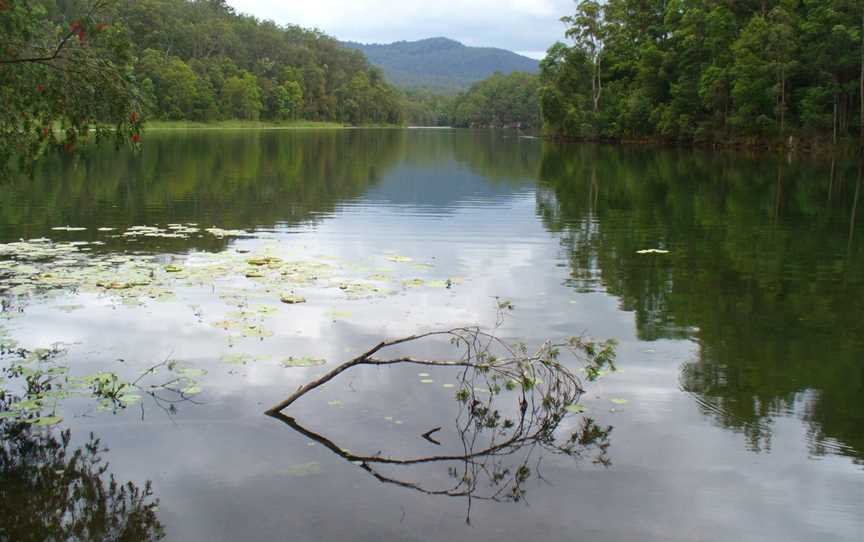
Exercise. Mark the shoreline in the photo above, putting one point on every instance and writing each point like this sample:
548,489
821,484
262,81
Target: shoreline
810,147
159,125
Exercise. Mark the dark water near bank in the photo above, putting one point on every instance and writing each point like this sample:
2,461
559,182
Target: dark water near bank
737,412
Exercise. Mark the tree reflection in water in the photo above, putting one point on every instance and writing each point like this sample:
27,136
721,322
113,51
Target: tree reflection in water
53,490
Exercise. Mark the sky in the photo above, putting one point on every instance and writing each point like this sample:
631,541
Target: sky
526,26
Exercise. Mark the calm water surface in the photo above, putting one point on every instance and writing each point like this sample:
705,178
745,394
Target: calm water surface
737,412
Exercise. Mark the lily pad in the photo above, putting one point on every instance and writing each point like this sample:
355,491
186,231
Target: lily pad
303,362
291,299
47,421
575,409
305,469
620,401
400,259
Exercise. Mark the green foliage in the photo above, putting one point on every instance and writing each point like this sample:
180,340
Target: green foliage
91,69
63,79
500,101
707,71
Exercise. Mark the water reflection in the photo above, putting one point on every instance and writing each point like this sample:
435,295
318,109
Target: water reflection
55,490
764,272
511,411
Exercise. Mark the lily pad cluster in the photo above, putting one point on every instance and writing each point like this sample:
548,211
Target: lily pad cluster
35,383
41,266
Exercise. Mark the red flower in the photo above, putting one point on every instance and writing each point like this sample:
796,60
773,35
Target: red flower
44,132
136,138
78,28
40,88
101,26
133,118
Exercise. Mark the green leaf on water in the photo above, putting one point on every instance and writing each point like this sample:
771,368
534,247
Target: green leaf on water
620,401
173,269
241,359
575,409
302,362
191,390
400,259
291,299
130,399
47,421
305,469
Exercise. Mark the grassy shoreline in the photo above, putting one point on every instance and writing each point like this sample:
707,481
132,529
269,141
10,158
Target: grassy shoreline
157,125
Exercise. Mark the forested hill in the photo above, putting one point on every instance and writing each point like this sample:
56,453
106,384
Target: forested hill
202,61
441,63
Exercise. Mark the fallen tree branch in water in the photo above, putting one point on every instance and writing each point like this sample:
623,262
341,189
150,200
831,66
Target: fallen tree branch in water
493,457
510,365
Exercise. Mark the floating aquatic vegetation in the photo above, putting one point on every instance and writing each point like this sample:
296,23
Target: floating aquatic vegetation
264,260
305,469
43,382
242,359
39,267
652,251
219,232
400,259
302,362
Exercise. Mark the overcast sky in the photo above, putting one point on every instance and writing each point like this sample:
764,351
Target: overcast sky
526,26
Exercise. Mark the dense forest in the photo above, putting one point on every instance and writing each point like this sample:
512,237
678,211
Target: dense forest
500,101
713,70
675,70
202,61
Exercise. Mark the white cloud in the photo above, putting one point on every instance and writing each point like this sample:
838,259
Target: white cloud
519,25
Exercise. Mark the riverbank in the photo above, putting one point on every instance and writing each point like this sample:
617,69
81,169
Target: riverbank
811,146
158,125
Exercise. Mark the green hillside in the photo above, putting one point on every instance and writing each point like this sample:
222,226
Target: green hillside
441,63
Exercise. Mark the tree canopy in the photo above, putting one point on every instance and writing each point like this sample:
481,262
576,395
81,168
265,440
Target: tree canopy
63,79
707,71
76,69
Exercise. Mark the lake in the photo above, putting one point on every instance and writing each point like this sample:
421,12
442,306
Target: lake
159,303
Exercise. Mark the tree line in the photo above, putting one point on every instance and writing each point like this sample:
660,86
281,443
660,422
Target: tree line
200,60
499,101
75,70
709,70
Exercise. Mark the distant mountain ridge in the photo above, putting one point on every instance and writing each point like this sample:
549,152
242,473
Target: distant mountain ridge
441,63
